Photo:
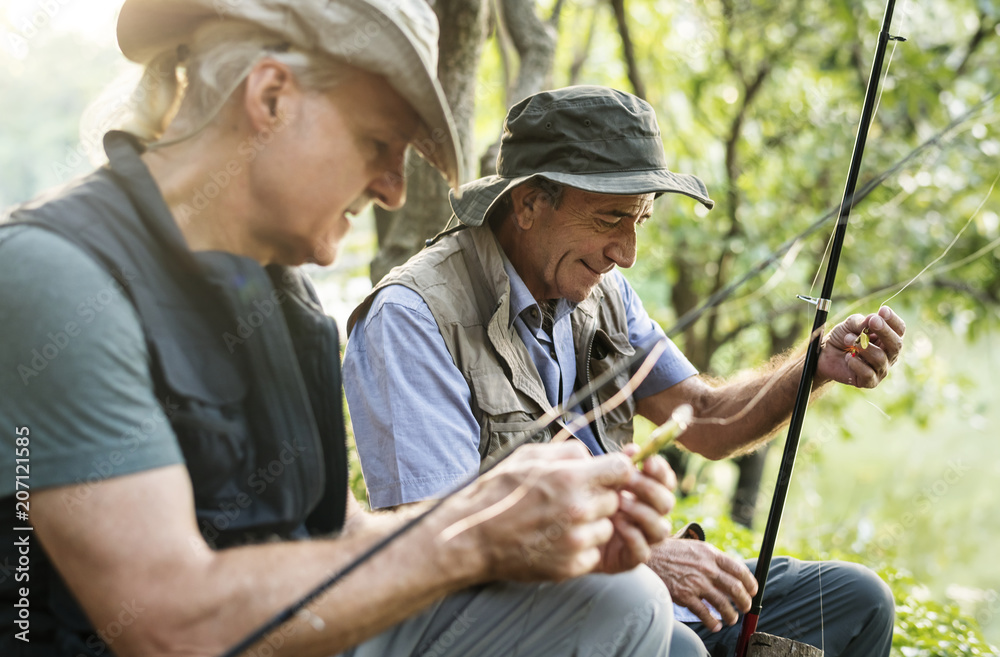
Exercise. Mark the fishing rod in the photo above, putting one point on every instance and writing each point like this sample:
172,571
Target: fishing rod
645,359
851,198
751,618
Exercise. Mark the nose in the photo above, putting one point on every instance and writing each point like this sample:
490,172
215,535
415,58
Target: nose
388,188
622,247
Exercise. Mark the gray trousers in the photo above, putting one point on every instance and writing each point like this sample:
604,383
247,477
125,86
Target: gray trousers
858,612
626,615
631,615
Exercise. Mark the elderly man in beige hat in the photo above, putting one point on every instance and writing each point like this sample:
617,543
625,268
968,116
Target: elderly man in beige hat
504,316
172,388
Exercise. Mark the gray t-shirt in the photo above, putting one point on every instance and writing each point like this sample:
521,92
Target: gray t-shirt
74,369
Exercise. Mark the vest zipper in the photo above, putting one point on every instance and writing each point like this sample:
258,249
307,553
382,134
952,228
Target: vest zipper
597,425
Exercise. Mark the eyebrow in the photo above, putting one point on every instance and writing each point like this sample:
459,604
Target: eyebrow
620,214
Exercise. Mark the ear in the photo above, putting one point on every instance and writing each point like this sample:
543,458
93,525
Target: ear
526,203
272,95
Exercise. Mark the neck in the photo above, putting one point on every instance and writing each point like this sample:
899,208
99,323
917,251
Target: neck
511,239
206,198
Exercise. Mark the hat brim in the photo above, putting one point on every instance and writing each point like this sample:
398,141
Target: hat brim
474,200
148,27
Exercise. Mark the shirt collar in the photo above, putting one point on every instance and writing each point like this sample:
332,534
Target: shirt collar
523,303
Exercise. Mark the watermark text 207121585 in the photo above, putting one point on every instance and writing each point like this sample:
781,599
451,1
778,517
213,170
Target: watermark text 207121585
22,529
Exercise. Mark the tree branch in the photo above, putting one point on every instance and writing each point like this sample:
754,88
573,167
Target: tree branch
628,49
985,30
402,233
535,43
580,56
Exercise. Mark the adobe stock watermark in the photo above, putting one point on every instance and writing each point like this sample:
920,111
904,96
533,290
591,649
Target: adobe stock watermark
61,338
108,112
923,502
26,28
634,622
219,179
100,642
263,309
258,481
104,467
459,626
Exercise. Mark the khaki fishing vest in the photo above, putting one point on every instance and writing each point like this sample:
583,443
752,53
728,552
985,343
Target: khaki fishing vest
462,279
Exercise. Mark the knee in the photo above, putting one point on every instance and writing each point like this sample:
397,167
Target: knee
641,605
684,642
876,594
635,589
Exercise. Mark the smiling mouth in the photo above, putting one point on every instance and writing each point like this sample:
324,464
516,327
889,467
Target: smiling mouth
595,272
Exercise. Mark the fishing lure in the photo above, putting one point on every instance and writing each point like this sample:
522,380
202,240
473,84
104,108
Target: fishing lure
859,345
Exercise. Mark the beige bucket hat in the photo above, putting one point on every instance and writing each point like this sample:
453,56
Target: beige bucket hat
393,38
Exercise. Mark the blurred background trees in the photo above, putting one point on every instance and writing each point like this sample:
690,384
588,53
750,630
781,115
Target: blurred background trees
761,99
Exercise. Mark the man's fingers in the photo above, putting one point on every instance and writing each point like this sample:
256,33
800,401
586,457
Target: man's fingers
658,468
699,609
568,449
864,375
652,525
734,590
894,321
653,493
597,533
593,504
740,571
633,538
852,327
876,359
718,598
885,336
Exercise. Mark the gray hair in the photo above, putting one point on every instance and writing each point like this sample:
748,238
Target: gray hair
188,86
550,190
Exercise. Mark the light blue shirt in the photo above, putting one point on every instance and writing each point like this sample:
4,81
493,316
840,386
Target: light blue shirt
411,407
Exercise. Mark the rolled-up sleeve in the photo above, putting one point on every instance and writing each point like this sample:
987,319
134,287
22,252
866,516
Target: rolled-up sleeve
673,366
410,406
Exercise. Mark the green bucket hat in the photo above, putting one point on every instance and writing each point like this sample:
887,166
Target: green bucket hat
592,138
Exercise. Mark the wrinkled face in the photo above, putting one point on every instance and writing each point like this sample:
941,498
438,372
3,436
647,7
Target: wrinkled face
567,250
344,150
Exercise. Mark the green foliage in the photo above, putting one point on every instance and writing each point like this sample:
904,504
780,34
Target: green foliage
45,96
924,627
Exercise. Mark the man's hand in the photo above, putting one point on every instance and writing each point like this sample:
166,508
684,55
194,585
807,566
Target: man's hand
695,571
867,367
639,522
545,514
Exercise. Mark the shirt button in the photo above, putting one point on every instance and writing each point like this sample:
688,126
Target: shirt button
552,353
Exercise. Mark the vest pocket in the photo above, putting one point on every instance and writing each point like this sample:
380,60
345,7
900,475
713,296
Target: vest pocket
503,434
216,448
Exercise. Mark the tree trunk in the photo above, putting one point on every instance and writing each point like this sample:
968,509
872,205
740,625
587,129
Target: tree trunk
402,233
744,502
535,43
628,49
765,645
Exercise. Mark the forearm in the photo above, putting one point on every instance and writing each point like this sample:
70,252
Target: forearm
741,414
252,584
193,600
735,416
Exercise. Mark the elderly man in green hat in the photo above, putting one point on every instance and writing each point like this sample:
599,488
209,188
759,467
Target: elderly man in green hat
457,352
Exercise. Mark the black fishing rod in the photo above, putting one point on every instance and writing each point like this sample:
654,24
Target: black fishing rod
812,354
